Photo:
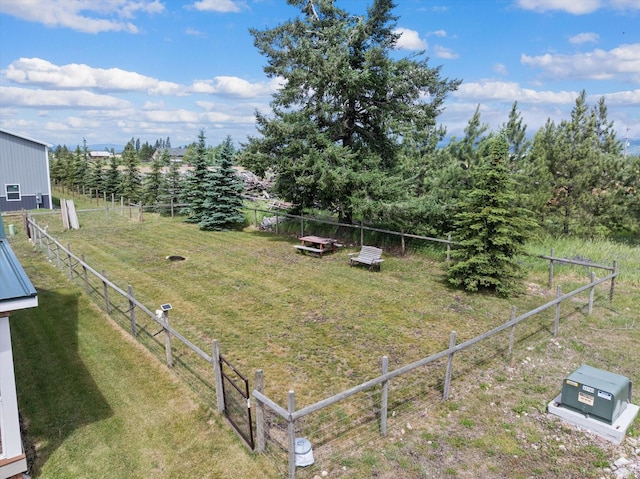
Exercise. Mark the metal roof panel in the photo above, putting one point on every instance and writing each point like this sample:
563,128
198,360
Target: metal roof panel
16,290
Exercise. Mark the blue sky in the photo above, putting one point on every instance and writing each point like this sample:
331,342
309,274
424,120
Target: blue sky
109,70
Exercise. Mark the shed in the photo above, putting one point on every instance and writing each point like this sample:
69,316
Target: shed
24,173
16,292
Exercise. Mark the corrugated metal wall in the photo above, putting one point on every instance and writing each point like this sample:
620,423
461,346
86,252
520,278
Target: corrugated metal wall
23,162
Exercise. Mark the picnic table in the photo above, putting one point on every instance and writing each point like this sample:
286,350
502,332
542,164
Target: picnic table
316,244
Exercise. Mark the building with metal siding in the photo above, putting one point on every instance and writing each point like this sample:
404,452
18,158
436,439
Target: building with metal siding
16,293
24,173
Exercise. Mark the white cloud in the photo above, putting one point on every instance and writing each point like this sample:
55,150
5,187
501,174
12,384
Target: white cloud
35,71
480,92
222,6
410,40
194,32
575,7
87,16
77,99
578,7
625,4
587,37
438,33
629,98
442,52
622,63
500,69
235,87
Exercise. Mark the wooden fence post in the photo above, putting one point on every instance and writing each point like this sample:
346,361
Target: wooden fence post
85,275
70,264
512,334
277,226
167,339
361,233
260,427
551,270
217,373
449,247
49,252
556,321
592,278
447,379
105,288
132,312
57,250
402,245
255,218
291,429
613,281
385,398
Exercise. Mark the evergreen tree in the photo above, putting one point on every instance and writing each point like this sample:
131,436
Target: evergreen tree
340,117
112,178
491,228
582,160
153,182
131,182
95,178
516,135
196,184
223,193
171,185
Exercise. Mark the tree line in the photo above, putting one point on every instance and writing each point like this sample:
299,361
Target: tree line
353,131
209,192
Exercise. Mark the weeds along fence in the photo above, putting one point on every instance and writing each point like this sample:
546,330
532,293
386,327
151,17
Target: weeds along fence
349,420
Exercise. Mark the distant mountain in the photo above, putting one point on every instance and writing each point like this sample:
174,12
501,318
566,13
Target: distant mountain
108,146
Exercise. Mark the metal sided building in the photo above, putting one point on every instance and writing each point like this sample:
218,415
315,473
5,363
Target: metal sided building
24,173
16,293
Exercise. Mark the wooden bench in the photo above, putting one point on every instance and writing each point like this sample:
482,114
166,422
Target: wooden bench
311,249
369,255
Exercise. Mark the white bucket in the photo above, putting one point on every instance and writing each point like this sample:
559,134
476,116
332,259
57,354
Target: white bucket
304,453
12,230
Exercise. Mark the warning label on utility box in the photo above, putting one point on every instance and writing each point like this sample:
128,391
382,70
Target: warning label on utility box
585,398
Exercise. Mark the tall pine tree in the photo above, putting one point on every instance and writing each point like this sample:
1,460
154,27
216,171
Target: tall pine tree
194,192
491,228
222,206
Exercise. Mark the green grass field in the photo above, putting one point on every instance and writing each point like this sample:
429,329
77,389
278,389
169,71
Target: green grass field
317,326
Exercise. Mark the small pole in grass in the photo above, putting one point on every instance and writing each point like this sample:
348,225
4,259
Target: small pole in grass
556,320
385,398
447,379
512,334
260,430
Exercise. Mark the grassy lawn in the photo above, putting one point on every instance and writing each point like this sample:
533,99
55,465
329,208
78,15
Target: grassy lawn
97,405
318,327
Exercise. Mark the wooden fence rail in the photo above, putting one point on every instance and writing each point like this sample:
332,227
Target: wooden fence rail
65,259
291,415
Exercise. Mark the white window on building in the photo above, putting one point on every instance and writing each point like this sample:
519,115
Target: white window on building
13,192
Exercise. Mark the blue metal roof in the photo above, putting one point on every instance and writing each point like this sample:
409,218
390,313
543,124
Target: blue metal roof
16,290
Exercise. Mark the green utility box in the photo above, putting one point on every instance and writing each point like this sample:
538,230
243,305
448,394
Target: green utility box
596,393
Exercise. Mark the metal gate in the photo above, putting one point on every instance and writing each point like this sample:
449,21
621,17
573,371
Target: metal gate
237,402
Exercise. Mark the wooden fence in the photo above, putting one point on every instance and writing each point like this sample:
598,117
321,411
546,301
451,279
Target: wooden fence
290,414
132,314
78,269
